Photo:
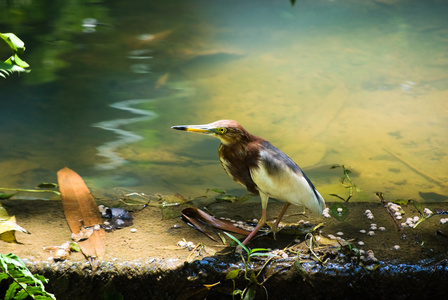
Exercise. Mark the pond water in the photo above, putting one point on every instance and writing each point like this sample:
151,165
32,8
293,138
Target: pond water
362,84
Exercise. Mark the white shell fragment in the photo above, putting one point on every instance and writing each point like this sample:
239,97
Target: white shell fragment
326,212
427,211
368,214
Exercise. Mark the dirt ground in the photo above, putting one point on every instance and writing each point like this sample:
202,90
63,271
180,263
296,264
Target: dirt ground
158,238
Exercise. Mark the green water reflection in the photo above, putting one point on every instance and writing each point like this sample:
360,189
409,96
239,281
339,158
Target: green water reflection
362,84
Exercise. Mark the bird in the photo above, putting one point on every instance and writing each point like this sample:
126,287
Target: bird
261,168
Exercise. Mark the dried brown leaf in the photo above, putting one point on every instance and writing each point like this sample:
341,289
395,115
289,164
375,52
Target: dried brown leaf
81,210
198,217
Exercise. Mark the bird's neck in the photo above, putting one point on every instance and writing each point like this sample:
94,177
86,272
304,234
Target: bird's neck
239,146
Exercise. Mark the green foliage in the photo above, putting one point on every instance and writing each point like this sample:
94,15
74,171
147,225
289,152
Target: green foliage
339,211
5,196
24,283
15,62
347,182
249,291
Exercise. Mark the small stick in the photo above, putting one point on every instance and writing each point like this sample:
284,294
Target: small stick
383,202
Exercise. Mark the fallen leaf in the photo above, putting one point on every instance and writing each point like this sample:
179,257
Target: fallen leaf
81,210
199,218
8,227
10,224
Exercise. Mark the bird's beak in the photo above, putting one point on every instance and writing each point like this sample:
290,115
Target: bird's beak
195,128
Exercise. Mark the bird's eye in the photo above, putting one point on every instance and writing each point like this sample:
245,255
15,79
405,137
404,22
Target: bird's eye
221,130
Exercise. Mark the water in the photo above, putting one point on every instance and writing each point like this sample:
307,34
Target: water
360,84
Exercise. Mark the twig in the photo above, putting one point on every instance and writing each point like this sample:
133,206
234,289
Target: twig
383,202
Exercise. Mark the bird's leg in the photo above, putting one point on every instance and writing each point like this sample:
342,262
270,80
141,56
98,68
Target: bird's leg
262,221
280,216
260,224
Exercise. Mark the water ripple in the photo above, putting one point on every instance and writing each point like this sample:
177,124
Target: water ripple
124,137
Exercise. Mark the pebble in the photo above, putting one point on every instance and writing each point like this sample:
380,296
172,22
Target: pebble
133,230
182,244
362,231
361,243
340,233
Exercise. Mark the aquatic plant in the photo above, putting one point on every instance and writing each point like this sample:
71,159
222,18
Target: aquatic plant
347,182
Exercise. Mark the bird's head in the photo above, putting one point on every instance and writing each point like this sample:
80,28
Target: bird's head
228,131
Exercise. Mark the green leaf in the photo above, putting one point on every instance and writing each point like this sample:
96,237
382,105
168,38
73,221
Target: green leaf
21,63
15,62
5,196
400,202
250,292
258,250
238,242
339,211
25,284
337,196
418,207
233,274
16,44
48,185
75,247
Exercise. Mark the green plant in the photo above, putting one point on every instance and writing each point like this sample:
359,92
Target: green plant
23,283
249,291
15,62
344,179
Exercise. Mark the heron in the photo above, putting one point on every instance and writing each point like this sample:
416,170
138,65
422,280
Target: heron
261,168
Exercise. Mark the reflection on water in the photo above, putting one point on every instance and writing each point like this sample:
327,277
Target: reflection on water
363,84
124,137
